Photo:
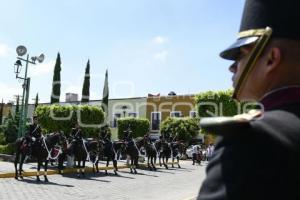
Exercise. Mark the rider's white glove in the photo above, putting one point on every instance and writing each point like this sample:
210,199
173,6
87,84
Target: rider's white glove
33,139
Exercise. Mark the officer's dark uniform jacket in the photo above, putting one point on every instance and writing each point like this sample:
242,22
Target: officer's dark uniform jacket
34,131
76,134
258,158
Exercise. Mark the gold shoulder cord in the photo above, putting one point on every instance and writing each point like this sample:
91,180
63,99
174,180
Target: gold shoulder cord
250,64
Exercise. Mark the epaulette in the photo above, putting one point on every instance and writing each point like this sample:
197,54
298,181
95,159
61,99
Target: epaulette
227,125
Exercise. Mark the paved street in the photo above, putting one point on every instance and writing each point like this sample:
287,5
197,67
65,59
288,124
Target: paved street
164,184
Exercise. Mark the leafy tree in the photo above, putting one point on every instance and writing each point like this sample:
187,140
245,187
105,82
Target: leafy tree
86,84
220,103
180,128
55,95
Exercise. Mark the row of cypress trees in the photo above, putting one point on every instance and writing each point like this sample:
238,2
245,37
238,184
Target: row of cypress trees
55,95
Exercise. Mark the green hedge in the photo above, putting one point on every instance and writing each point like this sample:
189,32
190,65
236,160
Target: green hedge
2,139
63,118
7,149
183,128
139,126
223,104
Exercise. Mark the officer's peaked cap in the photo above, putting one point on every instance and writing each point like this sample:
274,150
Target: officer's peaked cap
283,16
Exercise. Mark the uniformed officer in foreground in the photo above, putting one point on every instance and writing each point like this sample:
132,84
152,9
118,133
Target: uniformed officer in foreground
257,155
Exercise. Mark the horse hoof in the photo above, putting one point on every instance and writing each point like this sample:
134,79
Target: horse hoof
38,179
16,178
46,180
78,175
116,172
179,166
135,172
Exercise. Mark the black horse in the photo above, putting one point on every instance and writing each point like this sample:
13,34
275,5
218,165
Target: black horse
164,151
176,148
81,151
41,150
151,153
132,150
109,150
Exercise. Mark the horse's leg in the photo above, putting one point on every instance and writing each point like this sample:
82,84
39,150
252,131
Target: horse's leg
60,165
78,168
178,162
159,159
148,163
107,163
45,170
23,156
136,161
39,163
154,162
17,158
131,164
115,166
83,168
173,161
166,163
97,166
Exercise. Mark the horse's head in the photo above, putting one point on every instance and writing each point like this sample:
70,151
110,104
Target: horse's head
62,140
58,138
139,142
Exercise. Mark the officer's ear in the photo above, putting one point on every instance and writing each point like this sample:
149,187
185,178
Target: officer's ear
273,59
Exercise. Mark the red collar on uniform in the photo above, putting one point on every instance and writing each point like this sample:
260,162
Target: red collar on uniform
281,96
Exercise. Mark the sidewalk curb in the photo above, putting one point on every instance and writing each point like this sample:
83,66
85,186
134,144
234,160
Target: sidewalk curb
66,171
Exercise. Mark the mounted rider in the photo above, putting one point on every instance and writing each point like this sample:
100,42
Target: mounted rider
128,134
105,134
33,135
75,137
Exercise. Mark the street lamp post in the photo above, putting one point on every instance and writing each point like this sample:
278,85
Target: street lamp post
21,51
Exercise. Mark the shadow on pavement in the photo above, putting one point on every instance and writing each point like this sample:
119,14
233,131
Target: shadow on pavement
93,176
33,181
139,173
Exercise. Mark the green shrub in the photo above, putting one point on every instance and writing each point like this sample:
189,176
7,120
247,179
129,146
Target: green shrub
139,126
56,117
2,139
181,128
220,103
7,149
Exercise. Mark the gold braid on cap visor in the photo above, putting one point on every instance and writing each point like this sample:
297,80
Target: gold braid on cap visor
252,33
264,36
